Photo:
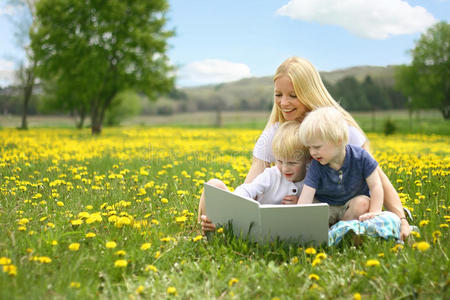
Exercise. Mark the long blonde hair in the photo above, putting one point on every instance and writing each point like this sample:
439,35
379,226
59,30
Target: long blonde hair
308,87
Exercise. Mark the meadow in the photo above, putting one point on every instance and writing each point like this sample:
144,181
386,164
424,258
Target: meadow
115,217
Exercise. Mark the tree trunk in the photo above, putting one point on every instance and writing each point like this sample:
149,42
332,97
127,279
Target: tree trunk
82,116
373,119
27,85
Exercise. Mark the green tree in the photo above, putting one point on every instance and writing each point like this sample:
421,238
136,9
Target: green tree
96,49
427,80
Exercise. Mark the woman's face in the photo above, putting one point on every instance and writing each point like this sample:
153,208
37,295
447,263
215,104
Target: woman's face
287,101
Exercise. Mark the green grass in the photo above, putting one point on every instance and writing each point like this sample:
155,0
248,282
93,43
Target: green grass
33,164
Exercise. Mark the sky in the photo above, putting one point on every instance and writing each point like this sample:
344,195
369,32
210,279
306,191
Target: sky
220,41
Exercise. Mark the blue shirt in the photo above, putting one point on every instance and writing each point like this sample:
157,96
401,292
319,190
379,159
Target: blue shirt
338,187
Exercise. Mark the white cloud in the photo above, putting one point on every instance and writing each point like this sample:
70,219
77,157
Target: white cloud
7,72
213,71
373,19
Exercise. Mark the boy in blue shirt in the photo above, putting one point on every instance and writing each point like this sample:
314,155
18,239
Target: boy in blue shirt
344,176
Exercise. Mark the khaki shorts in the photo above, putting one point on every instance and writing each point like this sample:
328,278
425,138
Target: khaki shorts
336,212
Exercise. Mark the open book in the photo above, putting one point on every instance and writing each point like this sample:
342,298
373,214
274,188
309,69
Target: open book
304,224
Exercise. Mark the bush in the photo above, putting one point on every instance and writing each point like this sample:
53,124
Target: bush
389,127
126,104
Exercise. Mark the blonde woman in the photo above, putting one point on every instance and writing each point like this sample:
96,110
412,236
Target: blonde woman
298,89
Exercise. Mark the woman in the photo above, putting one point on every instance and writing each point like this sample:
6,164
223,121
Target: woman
299,89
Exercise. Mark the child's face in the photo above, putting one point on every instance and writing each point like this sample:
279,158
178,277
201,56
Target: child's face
324,152
292,170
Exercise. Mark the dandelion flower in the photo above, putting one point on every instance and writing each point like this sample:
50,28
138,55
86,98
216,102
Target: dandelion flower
372,263
220,230
171,290
356,296
146,246
140,289
90,235
111,245
313,277
197,238
5,261
415,234
421,246
232,282
424,223
10,269
120,253
60,203
74,247
120,263
151,268
310,250
75,284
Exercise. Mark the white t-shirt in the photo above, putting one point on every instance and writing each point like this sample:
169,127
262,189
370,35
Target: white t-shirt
263,146
269,187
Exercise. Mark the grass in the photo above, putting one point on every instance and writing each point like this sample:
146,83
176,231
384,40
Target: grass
424,122
139,188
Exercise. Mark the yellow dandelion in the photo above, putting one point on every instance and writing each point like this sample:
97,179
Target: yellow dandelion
372,263
415,234
232,281
321,255
120,253
146,246
120,263
380,254
197,238
5,261
54,243
157,254
313,276
310,250
45,260
294,260
421,246
424,223
74,247
171,290
10,269
151,268
356,296
60,203
75,284
396,248
140,289
316,261
220,230
111,245
76,222
164,200
90,235
181,219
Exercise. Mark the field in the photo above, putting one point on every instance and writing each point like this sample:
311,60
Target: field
114,217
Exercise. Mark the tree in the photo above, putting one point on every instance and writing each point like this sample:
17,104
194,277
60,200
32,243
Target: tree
95,49
427,80
26,72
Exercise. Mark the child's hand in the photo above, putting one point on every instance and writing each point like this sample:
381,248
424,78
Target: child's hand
207,225
368,216
290,199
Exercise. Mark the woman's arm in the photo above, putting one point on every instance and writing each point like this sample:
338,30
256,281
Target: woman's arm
392,200
256,168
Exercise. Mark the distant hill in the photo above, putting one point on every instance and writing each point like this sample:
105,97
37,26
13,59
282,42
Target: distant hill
254,93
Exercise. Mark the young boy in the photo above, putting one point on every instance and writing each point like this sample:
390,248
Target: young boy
285,178
341,175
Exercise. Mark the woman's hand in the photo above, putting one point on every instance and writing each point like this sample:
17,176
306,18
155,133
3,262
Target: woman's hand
405,229
290,200
368,216
207,225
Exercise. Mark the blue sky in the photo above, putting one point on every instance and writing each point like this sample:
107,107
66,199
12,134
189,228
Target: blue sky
218,41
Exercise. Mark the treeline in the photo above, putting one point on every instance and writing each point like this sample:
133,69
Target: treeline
254,94
352,94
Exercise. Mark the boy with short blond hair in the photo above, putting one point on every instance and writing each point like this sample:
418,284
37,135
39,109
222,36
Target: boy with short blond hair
344,176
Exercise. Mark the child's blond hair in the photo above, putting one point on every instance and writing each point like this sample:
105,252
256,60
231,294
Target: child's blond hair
326,123
286,144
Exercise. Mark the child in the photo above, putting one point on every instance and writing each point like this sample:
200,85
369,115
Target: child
344,176
285,178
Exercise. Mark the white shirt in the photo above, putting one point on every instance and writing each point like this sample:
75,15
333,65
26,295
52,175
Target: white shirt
269,187
263,146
